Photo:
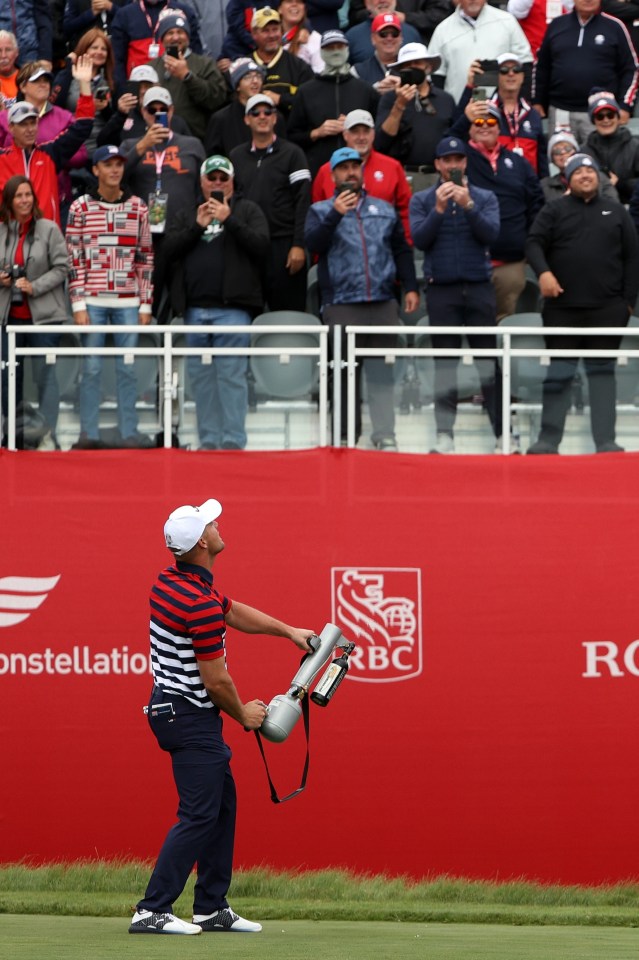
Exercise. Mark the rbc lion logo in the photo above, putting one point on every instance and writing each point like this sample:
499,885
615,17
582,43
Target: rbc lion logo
379,609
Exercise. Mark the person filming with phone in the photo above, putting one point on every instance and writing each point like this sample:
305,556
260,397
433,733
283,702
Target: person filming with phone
413,117
214,255
454,223
520,126
196,85
162,168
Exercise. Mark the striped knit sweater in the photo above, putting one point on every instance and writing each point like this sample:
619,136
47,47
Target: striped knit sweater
110,253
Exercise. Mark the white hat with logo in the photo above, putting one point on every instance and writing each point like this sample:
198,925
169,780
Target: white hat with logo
186,525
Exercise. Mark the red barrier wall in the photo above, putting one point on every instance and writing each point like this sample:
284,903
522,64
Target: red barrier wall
495,604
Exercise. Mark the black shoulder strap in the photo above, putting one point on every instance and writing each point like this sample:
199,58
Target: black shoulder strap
274,796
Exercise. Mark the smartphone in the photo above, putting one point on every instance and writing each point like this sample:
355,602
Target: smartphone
132,86
479,93
347,188
217,195
102,93
175,52
456,176
489,66
406,77
162,118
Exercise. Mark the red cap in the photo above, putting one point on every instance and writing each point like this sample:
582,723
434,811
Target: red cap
386,20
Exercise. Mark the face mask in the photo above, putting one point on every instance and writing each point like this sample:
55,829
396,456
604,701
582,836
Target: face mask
335,59
413,75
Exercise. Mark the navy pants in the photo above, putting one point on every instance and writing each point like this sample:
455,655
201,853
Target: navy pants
456,305
205,831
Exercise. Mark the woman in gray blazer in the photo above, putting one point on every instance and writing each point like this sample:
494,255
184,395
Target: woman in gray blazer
33,272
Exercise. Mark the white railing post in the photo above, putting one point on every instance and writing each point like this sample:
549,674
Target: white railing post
506,377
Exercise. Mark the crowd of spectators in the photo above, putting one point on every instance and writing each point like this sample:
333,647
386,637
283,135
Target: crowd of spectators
195,159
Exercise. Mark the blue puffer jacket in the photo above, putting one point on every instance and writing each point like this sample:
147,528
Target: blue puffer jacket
31,23
456,242
361,254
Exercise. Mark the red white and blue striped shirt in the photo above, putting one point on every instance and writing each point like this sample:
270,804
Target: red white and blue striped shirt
187,624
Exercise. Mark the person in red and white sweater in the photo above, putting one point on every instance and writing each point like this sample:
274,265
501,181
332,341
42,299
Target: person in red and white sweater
110,282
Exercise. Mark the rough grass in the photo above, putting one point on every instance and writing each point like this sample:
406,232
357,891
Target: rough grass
109,889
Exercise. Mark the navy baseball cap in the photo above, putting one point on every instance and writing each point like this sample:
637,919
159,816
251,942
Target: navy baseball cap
449,146
344,154
333,36
106,153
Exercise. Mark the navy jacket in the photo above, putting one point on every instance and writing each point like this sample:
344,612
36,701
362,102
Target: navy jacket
573,59
520,198
455,243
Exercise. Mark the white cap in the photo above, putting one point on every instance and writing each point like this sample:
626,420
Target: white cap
157,95
355,117
145,73
509,58
255,101
186,525
415,51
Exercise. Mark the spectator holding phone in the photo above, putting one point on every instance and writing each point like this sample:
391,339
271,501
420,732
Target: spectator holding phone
214,253
454,223
196,85
520,126
413,118
127,121
475,31
162,167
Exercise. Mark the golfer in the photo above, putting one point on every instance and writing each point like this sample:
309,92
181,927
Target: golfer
192,687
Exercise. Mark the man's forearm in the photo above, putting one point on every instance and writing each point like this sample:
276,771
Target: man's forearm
250,620
224,695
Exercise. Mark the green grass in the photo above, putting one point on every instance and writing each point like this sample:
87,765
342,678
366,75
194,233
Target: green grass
105,889
84,938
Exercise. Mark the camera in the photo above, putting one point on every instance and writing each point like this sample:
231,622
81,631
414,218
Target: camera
16,271
489,66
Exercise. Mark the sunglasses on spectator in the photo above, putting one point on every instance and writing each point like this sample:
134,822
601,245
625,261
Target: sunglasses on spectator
216,177
606,115
485,122
506,70
262,111
386,34
563,151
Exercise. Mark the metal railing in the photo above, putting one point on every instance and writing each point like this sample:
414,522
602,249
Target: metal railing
166,353
505,351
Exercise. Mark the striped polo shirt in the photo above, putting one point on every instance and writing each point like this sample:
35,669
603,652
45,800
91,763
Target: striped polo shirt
187,625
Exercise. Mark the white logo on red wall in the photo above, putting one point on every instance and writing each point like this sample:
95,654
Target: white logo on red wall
20,596
380,610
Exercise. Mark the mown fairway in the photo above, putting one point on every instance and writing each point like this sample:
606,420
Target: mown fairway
24,937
